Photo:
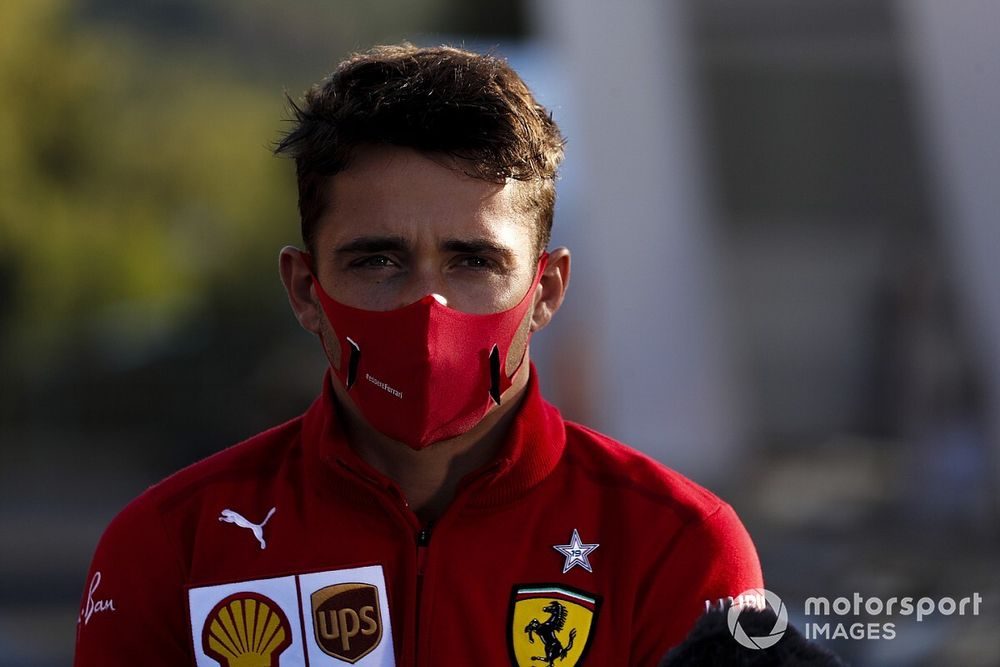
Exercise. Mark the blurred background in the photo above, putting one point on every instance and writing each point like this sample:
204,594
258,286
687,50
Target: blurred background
782,214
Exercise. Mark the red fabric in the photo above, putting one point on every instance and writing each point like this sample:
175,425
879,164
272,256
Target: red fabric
424,369
665,544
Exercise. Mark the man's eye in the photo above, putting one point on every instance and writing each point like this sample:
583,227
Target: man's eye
476,262
373,261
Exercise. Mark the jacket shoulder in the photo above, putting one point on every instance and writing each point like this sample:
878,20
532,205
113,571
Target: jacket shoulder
693,547
135,596
611,463
260,455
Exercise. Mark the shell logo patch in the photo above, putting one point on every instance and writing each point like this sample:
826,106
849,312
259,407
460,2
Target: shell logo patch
549,624
246,630
319,619
346,620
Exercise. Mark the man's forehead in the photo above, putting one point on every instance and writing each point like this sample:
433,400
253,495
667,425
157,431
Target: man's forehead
390,169
405,196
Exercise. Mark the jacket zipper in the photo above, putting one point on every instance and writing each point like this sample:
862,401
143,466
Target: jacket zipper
423,540
423,536
400,504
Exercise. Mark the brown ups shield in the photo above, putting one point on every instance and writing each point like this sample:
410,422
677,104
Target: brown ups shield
347,621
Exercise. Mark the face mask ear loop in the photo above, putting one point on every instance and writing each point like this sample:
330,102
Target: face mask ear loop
313,280
355,358
495,387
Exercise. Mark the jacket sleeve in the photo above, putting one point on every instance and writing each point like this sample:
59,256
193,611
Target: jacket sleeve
133,609
711,558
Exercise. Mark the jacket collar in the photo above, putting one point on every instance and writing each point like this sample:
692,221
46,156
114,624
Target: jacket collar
532,447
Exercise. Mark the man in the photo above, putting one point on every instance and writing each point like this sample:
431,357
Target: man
430,507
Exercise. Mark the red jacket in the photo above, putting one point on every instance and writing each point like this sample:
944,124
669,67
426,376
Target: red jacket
570,548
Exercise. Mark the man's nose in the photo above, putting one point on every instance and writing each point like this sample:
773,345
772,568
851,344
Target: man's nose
424,281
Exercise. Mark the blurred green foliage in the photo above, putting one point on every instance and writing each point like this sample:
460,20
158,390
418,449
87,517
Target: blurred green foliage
133,182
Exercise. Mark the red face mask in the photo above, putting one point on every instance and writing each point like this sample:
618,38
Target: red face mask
425,372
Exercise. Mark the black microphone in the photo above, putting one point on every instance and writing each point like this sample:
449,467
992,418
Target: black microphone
711,642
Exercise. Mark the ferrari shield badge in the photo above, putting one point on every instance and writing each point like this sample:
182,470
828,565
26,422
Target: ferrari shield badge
550,624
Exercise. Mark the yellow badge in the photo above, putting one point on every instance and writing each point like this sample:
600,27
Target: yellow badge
550,624
346,620
246,630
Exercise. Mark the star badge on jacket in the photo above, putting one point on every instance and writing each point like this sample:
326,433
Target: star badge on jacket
576,553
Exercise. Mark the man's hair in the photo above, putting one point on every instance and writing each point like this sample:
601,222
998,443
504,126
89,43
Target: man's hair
466,106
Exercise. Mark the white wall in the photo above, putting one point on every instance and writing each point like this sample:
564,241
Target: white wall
955,65
645,259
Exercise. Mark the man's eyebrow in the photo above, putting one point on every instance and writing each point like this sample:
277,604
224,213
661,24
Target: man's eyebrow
478,247
373,244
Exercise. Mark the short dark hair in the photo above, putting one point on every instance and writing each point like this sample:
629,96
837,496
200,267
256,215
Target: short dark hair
468,106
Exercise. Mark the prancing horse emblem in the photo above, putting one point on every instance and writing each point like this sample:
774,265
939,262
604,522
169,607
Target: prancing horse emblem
547,631
550,625
229,516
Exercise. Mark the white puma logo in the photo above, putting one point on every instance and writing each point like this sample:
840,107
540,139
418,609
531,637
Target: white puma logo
229,516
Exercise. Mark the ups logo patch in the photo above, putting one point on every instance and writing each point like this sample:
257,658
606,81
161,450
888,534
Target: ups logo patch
549,624
346,620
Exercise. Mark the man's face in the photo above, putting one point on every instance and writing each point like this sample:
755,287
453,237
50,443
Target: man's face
401,226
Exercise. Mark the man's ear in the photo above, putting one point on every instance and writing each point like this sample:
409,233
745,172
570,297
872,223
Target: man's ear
551,289
297,277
